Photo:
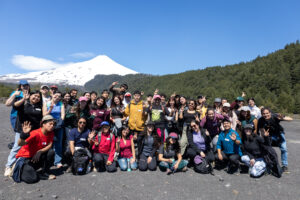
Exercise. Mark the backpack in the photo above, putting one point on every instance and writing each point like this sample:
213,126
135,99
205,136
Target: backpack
99,136
80,162
204,167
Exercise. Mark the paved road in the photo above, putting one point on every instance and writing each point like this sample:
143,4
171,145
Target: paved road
155,185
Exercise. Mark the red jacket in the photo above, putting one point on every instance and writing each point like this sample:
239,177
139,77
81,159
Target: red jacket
106,146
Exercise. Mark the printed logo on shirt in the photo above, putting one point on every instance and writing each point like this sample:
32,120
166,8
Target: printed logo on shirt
44,143
82,139
226,139
38,109
156,115
107,138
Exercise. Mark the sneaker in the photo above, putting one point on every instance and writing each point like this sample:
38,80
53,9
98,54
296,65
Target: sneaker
69,170
7,171
46,176
59,165
285,169
169,171
184,169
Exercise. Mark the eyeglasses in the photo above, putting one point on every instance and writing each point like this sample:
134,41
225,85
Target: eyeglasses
81,122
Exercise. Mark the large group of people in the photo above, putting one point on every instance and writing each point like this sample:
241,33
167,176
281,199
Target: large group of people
101,132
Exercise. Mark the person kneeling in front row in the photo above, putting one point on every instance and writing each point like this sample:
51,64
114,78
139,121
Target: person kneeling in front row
35,152
228,147
170,157
104,147
77,155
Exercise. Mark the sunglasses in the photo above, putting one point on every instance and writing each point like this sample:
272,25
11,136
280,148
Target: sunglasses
81,122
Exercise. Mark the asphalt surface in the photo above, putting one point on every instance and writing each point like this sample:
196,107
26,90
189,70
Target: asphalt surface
155,185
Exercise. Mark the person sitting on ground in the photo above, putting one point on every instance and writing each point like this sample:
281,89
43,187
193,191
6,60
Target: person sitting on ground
104,147
271,123
78,139
35,152
149,143
253,151
228,147
199,143
125,148
170,157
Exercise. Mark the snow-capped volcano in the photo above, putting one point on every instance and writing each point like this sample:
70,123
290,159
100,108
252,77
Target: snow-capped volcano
73,73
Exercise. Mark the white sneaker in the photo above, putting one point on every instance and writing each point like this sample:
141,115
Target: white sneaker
8,171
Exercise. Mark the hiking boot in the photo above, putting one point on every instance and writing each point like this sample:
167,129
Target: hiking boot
285,169
7,171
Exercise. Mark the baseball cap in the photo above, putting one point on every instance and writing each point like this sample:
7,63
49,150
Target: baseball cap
127,94
23,82
240,99
104,123
157,96
43,86
218,100
248,126
226,105
47,118
173,135
83,99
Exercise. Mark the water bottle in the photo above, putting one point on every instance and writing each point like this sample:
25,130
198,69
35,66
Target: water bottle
128,165
89,167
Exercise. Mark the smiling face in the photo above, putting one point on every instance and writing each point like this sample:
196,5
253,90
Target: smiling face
194,126
210,114
56,97
67,97
49,126
227,125
88,95
35,98
99,102
251,103
93,97
192,105
117,100
125,132
266,114
81,123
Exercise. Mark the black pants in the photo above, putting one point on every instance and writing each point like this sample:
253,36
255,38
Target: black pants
143,165
139,142
29,175
191,153
233,160
100,160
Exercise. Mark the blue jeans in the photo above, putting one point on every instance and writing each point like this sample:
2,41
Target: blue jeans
123,163
13,152
13,121
166,165
258,168
283,148
57,144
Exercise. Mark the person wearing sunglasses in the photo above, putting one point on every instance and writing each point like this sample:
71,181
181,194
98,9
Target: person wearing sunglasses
199,143
78,139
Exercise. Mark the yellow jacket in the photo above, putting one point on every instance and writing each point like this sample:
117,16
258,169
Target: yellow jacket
136,115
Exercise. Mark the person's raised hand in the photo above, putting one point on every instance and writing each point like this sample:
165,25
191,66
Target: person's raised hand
26,127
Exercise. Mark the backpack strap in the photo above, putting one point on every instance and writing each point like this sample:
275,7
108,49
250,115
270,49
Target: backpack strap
99,137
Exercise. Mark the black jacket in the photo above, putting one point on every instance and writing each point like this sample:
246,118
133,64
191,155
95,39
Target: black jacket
193,145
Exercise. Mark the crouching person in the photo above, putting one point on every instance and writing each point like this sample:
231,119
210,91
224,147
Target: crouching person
103,146
77,155
228,147
125,147
253,151
170,157
35,152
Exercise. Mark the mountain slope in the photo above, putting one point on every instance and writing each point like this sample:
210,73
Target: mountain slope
273,80
74,73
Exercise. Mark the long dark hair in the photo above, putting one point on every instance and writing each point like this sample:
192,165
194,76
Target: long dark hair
176,146
248,117
113,104
40,103
128,135
95,106
156,139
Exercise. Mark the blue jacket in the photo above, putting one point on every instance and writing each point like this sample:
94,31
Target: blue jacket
227,145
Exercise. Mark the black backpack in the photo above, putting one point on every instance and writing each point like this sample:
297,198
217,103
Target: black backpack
204,167
80,162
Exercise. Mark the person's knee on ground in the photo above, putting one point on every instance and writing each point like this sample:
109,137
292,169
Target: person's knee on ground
123,164
98,161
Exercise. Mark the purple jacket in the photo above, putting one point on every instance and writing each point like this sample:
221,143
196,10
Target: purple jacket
212,126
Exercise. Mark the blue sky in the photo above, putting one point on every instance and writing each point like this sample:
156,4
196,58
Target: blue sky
155,37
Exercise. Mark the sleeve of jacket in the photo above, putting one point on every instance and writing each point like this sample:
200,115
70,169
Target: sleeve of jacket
112,149
246,152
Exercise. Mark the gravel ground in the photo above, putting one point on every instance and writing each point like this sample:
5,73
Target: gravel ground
155,185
